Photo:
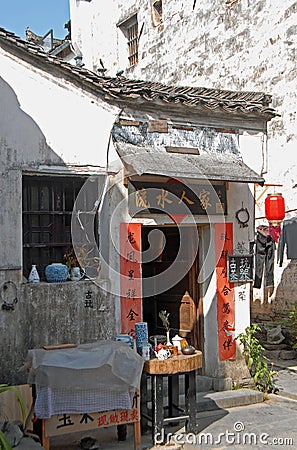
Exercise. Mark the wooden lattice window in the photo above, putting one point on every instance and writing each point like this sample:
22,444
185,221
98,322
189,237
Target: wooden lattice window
47,207
130,30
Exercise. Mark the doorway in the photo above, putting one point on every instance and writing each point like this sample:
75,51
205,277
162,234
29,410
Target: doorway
177,294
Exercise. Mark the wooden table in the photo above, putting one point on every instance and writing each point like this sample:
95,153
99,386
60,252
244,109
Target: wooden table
171,369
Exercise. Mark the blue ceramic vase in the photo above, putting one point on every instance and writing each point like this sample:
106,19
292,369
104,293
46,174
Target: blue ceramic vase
141,331
56,273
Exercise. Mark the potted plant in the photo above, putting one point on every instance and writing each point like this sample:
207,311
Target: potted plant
164,316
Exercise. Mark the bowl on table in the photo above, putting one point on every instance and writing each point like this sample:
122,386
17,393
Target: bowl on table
188,350
159,338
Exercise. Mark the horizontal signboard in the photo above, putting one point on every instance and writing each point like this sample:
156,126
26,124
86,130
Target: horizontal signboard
177,198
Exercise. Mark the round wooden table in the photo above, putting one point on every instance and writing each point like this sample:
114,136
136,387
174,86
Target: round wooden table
171,369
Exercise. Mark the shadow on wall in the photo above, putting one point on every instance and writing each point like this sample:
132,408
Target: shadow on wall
22,145
282,297
22,137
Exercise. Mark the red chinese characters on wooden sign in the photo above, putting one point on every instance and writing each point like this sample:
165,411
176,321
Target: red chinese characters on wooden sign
225,292
70,423
131,280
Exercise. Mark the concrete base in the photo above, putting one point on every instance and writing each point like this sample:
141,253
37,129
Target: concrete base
206,384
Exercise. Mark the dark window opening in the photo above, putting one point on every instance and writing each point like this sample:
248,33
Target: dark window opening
157,12
47,208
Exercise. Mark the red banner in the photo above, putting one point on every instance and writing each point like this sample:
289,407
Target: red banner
131,280
225,292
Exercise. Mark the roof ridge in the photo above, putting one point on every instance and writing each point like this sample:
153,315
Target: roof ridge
122,88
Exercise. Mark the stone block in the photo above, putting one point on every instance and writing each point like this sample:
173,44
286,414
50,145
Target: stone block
287,354
272,354
222,384
204,384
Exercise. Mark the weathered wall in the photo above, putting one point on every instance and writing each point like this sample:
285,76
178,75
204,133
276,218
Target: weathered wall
45,124
51,314
249,45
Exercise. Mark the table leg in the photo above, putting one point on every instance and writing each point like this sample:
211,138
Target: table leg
137,436
157,409
191,405
144,398
45,439
173,394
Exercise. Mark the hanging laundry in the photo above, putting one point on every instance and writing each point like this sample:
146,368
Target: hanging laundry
264,257
288,240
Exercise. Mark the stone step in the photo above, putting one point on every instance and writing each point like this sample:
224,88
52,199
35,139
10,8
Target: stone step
209,401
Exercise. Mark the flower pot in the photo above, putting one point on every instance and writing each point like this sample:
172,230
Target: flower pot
56,273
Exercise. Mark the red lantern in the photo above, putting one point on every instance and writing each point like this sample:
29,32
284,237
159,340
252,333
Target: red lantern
274,208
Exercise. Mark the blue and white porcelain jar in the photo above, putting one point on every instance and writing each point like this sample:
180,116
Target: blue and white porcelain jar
141,331
56,273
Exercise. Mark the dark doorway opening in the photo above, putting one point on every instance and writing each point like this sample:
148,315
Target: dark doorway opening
181,299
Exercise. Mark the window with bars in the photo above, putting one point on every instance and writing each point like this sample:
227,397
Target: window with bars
47,208
130,30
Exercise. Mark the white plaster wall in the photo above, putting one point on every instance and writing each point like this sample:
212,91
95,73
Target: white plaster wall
46,118
251,46
94,34
45,123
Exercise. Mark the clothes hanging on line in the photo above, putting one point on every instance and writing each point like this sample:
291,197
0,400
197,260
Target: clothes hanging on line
264,258
288,239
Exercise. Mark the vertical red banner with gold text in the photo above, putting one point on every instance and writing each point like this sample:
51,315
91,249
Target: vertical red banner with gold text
225,292
131,280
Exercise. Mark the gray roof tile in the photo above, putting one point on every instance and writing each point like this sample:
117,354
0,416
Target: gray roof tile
124,89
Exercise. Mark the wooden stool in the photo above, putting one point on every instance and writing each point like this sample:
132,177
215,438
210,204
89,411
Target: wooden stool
171,369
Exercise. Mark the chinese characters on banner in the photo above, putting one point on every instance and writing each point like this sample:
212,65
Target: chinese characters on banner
70,423
225,292
131,281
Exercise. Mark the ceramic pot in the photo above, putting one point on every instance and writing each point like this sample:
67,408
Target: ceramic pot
176,341
34,276
56,273
141,331
75,274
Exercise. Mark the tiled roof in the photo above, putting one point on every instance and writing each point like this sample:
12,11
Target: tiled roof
207,166
123,89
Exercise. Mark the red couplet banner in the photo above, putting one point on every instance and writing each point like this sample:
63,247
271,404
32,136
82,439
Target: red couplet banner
225,292
131,277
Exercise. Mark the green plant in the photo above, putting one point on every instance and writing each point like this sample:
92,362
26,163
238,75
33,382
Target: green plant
256,361
4,444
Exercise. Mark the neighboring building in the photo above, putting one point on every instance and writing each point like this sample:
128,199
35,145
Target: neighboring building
167,163
235,44
61,48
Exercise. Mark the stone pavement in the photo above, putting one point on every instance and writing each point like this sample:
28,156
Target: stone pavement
226,420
